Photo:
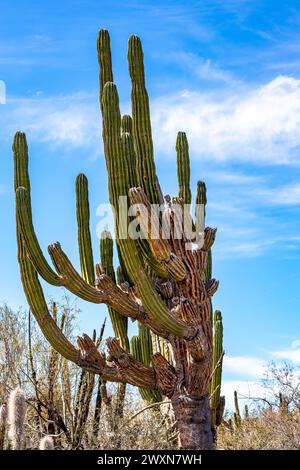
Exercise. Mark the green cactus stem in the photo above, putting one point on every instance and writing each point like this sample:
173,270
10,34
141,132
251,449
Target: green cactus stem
183,167
83,225
165,284
119,322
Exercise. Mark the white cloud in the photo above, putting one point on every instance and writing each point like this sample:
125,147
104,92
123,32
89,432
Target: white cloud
260,125
71,121
291,354
244,365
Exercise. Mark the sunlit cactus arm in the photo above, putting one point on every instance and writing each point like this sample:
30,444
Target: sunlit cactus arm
118,185
31,284
141,128
104,59
119,322
83,227
183,168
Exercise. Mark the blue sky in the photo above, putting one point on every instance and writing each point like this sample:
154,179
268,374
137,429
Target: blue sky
227,73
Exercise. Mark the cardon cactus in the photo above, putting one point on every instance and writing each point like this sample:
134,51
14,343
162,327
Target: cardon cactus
167,284
16,418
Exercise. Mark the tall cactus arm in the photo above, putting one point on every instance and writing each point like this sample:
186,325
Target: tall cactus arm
21,178
183,168
39,308
31,284
141,129
20,155
119,322
116,166
23,208
104,58
83,225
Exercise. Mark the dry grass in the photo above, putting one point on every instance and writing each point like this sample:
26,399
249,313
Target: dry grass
271,430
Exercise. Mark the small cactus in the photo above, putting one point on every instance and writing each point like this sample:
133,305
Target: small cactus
16,418
46,443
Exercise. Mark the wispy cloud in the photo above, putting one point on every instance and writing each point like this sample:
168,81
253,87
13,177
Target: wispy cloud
70,121
202,67
259,125
283,195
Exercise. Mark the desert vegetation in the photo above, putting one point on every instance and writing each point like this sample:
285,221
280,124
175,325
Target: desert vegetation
160,388
47,403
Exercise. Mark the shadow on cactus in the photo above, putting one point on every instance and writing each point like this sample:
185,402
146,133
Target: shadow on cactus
162,283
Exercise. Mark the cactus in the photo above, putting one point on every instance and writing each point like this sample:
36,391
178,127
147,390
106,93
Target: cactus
166,282
237,414
83,224
183,167
216,401
46,443
16,418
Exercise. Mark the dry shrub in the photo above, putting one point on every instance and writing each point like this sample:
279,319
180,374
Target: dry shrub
271,430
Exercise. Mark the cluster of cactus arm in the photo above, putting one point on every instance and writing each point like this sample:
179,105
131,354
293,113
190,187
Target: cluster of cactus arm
162,285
